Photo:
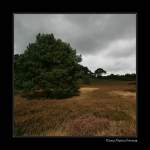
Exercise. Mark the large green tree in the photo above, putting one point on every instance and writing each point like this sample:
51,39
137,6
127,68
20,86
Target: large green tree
48,65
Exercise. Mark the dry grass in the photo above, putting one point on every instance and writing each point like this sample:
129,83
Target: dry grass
102,109
86,125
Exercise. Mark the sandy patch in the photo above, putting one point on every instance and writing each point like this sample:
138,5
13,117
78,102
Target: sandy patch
88,89
123,93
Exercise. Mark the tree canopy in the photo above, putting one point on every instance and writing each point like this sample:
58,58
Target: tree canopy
99,72
48,65
85,74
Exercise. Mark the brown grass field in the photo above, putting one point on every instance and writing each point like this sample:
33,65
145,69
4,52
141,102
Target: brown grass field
107,108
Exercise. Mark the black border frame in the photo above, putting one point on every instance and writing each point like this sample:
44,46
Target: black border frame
101,138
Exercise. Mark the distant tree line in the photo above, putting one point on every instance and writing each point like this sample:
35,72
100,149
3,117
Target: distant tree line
126,77
86,75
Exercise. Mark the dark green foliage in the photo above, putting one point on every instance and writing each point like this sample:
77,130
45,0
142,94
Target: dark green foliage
48,65
126,77
85,74
18,132
99,72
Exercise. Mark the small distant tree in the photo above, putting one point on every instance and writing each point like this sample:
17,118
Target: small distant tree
99,72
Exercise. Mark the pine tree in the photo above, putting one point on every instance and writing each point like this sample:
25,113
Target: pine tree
48,65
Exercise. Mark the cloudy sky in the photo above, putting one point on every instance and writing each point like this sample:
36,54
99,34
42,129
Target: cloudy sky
105,41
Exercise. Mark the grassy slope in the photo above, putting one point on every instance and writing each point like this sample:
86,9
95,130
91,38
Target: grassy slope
101,109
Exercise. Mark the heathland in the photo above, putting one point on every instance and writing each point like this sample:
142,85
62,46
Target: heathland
102,108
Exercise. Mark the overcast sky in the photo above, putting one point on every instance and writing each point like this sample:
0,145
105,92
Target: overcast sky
105,41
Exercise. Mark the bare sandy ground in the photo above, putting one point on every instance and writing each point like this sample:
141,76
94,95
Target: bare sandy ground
114,92
88,89
123,93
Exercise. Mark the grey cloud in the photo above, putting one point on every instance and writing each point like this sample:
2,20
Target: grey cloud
90,34
126,53
97,31
122,48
